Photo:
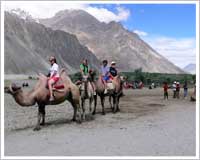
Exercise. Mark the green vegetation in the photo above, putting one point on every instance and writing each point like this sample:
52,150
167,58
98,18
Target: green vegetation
148,78
75,77
158,78
7,82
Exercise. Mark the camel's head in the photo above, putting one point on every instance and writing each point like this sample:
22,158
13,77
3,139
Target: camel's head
12,89
85,78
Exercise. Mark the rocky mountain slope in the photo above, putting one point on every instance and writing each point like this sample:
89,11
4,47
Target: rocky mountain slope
111,41
28,46
190,68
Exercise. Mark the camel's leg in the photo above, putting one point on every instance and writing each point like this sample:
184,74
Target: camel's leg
117,103
83,108
90,104
95,104
79,112
43,114
75,110
111,106
37,127
102,104
114,104
76,107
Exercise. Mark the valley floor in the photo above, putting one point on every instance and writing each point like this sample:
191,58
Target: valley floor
147,125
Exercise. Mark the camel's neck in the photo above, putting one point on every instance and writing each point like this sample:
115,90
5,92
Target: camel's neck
24,99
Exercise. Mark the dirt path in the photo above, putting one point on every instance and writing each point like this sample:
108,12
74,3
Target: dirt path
147,125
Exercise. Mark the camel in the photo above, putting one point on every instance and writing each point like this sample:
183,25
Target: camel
115,93
40,95
87,92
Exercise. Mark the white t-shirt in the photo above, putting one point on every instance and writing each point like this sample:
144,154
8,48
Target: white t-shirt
174,87
54,70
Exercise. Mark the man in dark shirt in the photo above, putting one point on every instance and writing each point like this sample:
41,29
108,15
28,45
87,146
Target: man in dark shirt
113,71
185,89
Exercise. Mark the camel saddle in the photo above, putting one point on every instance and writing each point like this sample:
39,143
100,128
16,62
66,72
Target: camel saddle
110,85
58,85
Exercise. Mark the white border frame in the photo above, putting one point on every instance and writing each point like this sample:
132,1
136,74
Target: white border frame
105,157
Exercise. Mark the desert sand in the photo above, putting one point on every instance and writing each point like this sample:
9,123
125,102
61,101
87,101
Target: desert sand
147,125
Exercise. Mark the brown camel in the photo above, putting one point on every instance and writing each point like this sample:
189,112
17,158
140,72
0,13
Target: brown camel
40,95
87,92
114,93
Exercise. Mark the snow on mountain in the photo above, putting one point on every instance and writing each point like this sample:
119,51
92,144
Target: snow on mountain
23,15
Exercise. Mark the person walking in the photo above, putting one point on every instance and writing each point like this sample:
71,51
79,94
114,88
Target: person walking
185,87
165,87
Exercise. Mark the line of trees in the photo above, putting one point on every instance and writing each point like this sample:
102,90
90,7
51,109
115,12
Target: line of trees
148,78
159,78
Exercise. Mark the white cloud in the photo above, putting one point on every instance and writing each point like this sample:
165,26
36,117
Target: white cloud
140,33
180,51
42,9
104,15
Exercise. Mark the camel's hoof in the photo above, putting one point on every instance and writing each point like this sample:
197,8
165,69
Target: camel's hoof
103,113
73,120
42,124
79,121
83,117
36,128
93,113
118,110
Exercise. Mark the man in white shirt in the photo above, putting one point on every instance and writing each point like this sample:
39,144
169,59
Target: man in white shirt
54,75
174,89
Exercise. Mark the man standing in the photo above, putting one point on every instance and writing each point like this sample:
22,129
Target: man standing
165,87
185,87
174,89
178,90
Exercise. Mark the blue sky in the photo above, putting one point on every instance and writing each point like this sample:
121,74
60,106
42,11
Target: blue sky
174,20
167,28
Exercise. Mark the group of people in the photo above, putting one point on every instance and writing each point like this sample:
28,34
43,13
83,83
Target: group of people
107,73
176,89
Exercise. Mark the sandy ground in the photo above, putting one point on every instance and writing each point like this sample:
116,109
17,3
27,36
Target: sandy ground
147,125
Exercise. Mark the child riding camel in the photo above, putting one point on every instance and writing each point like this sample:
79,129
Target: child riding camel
113,70
105,73
84,68
53,75
86,71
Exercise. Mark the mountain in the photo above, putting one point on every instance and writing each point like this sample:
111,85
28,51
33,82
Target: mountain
111,41
190,68
22,14
28,46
